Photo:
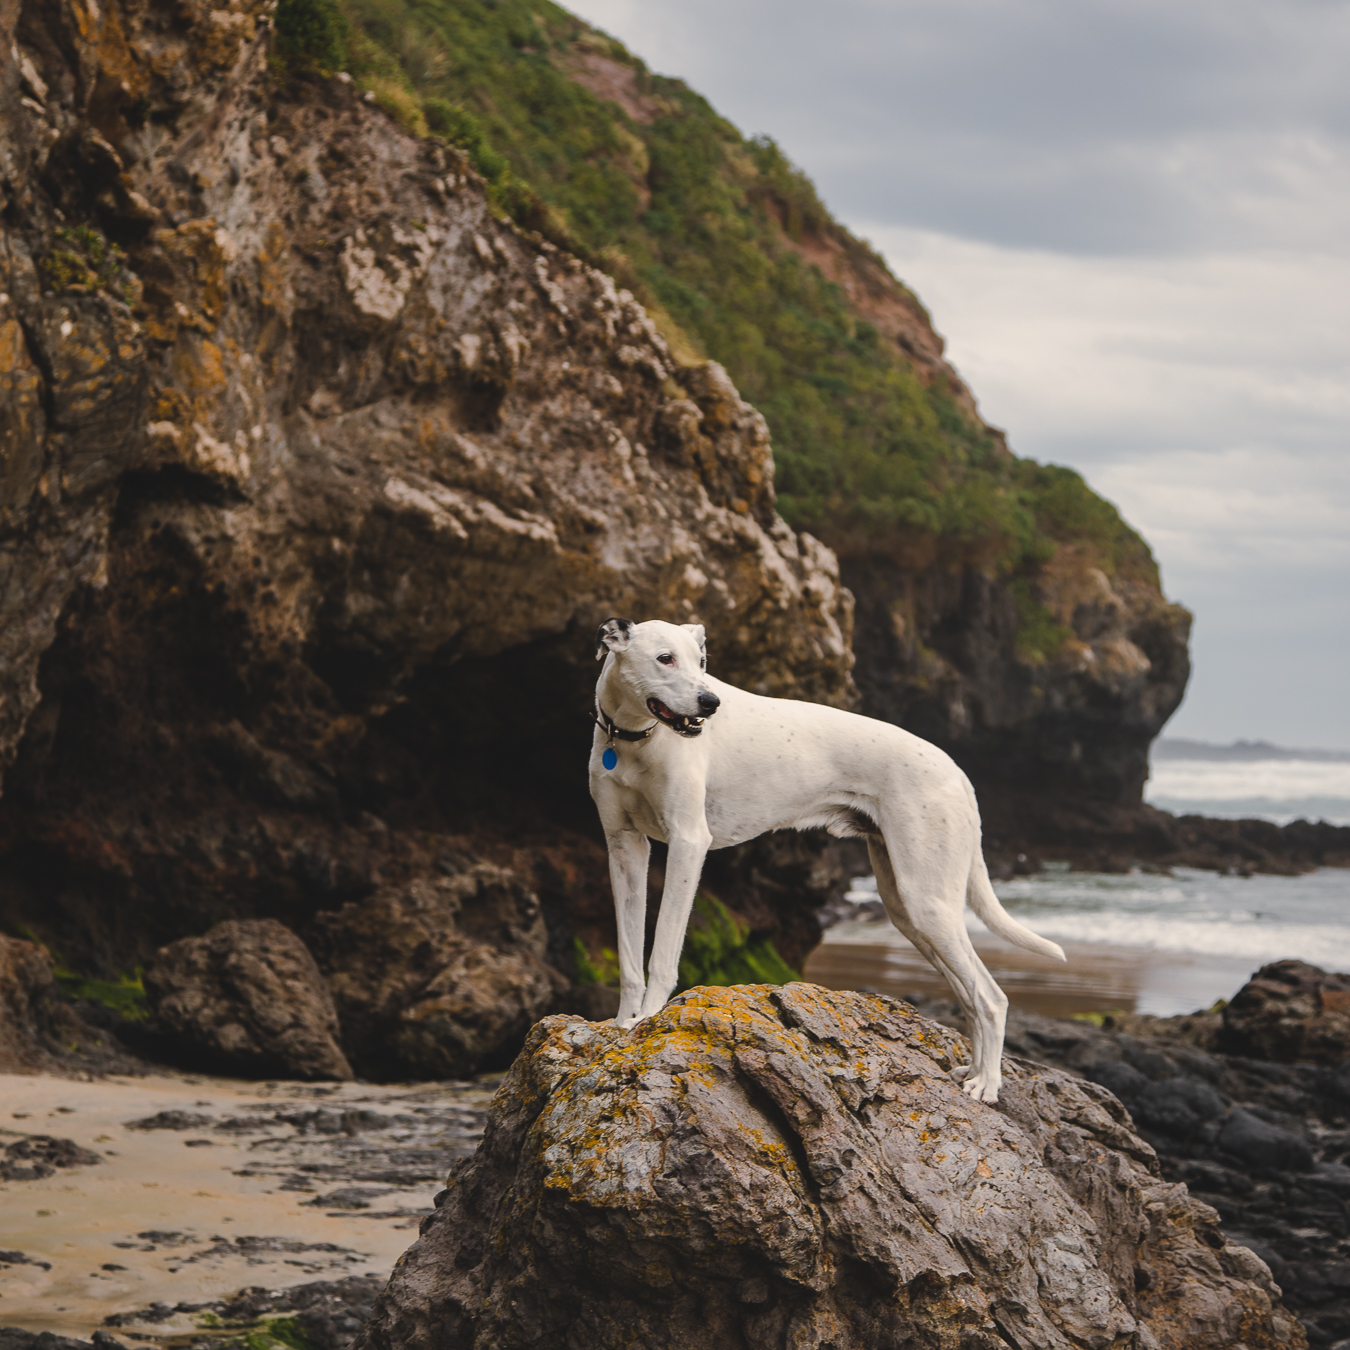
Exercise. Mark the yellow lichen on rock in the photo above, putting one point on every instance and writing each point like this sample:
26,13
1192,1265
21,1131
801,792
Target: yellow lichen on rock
790,1166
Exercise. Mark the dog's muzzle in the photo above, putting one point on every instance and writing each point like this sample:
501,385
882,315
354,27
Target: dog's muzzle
679,722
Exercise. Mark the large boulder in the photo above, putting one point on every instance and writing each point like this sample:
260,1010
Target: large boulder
1290,1011
440,977
771,1167
248,998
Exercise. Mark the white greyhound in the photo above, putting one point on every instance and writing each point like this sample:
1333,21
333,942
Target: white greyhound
657,772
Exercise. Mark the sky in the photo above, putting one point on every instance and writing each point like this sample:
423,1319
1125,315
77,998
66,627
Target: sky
1131,221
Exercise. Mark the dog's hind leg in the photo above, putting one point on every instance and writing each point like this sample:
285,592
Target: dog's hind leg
629,852
935,924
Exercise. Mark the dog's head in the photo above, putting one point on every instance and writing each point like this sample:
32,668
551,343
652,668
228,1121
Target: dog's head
664,665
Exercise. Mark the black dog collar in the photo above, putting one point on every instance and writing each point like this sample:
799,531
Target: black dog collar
615,732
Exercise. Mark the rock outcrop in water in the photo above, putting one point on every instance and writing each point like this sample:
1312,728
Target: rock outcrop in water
1290,1011
316,480
772,1167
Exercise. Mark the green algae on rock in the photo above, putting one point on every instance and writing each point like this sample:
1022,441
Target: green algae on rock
767,1167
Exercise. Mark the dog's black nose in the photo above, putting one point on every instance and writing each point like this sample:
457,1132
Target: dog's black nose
708,703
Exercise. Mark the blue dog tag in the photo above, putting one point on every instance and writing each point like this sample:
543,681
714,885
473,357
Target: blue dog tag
610,758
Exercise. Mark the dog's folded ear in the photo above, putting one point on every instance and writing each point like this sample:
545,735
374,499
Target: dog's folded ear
613,635
697,630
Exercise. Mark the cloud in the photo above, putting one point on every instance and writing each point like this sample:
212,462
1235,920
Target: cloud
1208,398
1093,358
1128,126
1131,219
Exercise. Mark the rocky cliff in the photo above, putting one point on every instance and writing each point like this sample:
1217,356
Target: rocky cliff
317,471
317,477
1004,610
938,652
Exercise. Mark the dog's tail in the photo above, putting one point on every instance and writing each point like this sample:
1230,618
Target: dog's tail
980,894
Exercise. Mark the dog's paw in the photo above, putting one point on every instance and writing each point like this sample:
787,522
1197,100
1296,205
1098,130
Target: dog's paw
981,1089
628,1023
961,1072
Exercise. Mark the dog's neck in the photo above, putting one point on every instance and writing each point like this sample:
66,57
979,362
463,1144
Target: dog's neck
620,703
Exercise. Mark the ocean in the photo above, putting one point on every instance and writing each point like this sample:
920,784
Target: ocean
1250,779
1143,942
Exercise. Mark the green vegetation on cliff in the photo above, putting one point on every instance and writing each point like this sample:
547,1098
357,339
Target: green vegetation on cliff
724,241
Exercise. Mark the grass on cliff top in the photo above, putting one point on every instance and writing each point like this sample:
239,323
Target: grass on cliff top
706,227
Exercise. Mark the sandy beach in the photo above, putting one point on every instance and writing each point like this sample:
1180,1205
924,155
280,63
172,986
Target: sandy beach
1096,977
269,1184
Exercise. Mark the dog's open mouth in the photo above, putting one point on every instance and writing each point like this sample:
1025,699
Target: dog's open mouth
686,726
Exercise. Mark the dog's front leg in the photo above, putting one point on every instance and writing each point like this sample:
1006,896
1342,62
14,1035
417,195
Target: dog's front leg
628,856
684,865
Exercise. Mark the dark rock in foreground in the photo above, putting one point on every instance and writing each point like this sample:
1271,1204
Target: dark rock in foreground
39,1155
248,998
328,1313
16,1338
323,1314
1288,1011
772,1167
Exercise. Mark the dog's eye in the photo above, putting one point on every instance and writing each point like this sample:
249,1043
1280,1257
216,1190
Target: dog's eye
703,663
666,659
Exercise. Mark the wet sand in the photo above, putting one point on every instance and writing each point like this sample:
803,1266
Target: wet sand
173,1216
1095,978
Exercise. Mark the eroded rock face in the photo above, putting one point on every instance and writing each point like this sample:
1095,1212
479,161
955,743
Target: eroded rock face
311,502
248,998
433,979
937,654
1289,1011
25,984
775,1167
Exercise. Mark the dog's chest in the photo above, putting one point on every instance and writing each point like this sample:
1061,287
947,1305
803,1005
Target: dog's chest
640,813
639,793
